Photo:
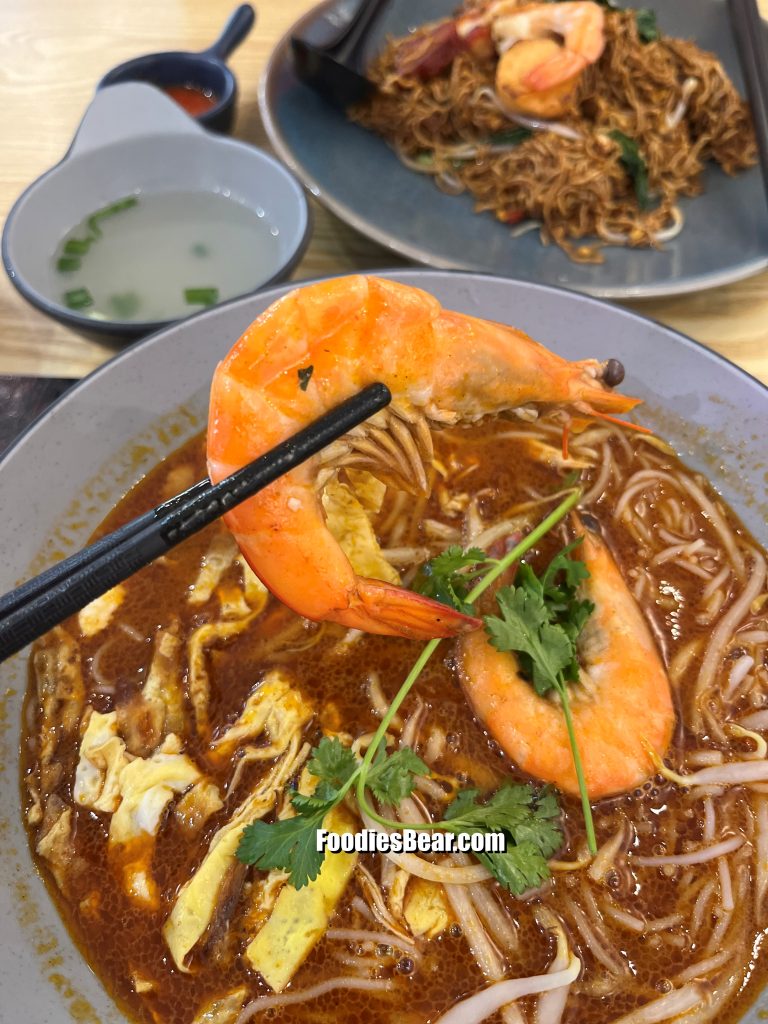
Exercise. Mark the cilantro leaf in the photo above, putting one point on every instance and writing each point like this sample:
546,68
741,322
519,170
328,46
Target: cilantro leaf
541,621
332,763
444,578
647,29
309,803
529,822
574,572
520,867
544,650
394,777
288,844
305,376
635,166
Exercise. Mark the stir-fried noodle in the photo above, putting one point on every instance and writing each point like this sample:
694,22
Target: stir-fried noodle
667,96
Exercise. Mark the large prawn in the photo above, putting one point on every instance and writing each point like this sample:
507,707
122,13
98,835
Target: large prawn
542,49
317,346
622,707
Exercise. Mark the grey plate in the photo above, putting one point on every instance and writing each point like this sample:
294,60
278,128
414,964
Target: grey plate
357,176
75,463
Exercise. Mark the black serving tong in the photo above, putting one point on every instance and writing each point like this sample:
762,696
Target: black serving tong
39,604
749,33
328,55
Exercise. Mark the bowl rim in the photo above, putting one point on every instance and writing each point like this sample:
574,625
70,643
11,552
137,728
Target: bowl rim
386,272
226,100
142,328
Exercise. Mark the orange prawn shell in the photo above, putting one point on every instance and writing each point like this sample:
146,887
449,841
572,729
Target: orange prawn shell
354,331
629,709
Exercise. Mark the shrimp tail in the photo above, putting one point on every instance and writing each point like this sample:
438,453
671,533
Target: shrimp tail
383,608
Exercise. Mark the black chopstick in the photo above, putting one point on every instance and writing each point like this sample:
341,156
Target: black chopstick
749,33
67,567
36,606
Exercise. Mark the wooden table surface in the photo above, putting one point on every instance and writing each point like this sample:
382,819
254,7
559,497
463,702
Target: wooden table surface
53,53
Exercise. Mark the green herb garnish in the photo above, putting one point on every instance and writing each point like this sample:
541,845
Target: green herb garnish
201,296
647,29
393,777
305,376
77,246
511,138
635,166
65,264
541,619
109,211
529,822
644,16
527,818
446,579
125,305
126,203
78,298
290,843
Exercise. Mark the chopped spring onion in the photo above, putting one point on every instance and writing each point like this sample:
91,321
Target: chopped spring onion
108,211
65,264
78,298
201,296
77,246
124,305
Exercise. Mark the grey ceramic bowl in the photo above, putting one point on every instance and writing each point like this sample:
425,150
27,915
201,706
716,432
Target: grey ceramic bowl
134,139
77,461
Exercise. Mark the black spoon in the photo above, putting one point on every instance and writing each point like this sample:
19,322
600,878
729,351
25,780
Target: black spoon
328,54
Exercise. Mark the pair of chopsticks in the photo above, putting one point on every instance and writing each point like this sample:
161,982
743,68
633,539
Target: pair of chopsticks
749,33
41,603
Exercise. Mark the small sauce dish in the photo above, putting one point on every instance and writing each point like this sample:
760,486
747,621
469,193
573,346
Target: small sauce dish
149,219
200,82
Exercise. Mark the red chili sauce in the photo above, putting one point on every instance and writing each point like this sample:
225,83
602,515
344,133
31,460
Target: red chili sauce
194,100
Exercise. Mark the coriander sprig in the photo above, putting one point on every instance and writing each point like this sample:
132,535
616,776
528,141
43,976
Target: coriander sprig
528,818
541,620
497,569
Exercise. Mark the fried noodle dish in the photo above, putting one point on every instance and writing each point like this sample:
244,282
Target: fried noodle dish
497,608
581,120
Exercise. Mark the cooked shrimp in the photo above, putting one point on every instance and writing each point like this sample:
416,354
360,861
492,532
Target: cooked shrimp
441,367
543,48
621,706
